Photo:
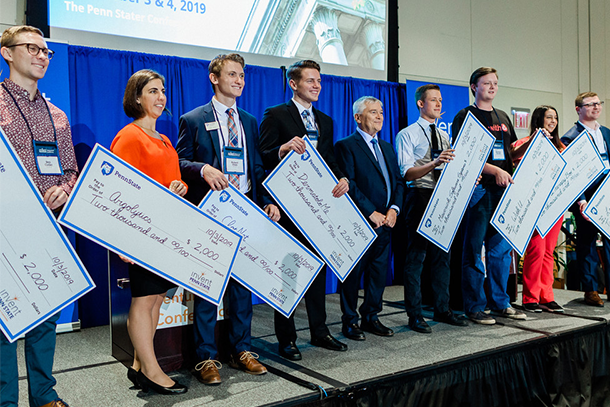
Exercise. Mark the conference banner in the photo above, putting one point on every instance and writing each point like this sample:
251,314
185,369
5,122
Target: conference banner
302,185
128,212
517,213
598,208
40,271
584,166
456,184
270,262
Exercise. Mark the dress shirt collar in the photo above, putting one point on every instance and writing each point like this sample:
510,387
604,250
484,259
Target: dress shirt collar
366,136
425,124
18,92
302,108
591,130
221,109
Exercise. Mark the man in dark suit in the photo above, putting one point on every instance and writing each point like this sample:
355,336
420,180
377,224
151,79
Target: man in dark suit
377,189
282,129
217,145
589,108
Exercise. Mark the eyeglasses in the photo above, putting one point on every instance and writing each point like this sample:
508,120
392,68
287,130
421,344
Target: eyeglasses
593,104
35,50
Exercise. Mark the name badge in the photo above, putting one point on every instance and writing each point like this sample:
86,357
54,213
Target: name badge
435,154
234,160
46,155
209,126
498,151
313,137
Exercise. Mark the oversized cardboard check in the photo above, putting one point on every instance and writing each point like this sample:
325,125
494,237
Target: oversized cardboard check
129,213
456,184
40,274
270,262
598,208
302,185
584,166
518,211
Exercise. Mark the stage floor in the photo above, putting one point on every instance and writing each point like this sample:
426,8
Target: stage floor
88,376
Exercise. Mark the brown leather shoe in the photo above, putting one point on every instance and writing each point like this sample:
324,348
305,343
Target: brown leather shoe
592,298
207,372
56,403
247,362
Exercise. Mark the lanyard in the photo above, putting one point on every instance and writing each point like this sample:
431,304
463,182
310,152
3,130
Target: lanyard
425,134
438,139
26,120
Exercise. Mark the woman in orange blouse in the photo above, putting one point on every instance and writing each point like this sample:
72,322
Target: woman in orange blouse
152,153
538,261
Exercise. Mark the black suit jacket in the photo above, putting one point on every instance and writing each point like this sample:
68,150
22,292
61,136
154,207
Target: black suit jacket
198,146
282,122
366,183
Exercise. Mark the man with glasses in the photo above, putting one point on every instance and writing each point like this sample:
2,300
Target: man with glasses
589,108
32,124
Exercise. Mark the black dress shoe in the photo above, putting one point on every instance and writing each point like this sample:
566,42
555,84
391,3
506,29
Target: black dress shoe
418,324
290,351
148,384
353,331
132,375
377,328
330,343
449,318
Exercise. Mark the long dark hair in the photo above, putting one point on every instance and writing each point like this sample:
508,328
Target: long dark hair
537,122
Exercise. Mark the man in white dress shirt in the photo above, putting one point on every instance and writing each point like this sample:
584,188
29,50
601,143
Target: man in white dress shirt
422,151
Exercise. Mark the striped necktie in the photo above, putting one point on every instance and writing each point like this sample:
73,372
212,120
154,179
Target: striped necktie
233,142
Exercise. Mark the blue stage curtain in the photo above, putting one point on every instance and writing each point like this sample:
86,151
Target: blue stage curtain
97,82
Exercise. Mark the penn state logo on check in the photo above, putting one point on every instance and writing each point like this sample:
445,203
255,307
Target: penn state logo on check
224,196
107,168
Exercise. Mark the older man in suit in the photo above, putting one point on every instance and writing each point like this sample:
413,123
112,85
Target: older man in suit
212,136
377,189
282,130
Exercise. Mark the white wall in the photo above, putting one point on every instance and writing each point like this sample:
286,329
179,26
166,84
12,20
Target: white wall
12,12
540,48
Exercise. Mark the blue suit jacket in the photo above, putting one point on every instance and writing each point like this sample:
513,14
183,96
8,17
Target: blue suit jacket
198,146
570,136
366,183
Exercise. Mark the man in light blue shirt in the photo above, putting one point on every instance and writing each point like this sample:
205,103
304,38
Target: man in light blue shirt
422,151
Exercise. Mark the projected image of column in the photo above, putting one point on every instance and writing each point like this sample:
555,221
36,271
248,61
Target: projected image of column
342,32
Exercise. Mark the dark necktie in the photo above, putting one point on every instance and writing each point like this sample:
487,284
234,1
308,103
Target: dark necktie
433,136
434,139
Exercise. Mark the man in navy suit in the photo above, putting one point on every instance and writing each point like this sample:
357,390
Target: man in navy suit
589,107
218,145
377,189
282,130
